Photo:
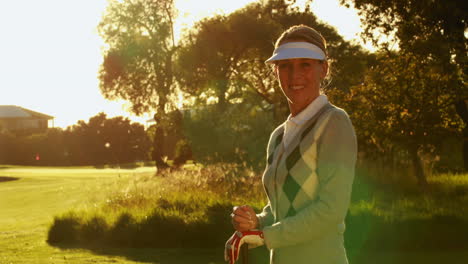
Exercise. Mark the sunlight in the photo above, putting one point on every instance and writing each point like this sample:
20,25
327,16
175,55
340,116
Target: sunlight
192,11
346,21
53,52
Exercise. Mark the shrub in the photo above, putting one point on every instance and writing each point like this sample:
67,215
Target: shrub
65,229
239,134
94,230
124,231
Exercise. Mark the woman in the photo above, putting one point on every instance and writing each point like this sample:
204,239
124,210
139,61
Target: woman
310,164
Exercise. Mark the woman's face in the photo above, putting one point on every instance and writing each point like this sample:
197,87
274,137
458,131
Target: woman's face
300,81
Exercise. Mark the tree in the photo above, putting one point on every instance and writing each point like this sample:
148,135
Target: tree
402,105
215,50
433,30
138,64
224,56
106,141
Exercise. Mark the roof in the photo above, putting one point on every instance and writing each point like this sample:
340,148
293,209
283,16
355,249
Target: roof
13,111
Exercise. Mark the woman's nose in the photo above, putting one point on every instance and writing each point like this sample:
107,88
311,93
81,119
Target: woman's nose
294,71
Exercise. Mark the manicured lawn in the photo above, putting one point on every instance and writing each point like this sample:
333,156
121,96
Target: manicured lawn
30,197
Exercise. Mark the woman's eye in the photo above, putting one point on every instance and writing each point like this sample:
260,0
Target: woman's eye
305,64
282,65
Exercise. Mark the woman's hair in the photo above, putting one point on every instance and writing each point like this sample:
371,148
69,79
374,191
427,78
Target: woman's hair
303,33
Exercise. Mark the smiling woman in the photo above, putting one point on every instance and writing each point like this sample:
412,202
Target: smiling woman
311,159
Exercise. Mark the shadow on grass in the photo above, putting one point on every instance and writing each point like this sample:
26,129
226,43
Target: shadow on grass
128,166
6,179
215,255
157,255
122,166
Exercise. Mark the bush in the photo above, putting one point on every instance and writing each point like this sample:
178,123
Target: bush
65,229
239,134
95,230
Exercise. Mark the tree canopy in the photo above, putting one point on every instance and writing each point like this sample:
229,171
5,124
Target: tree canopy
434,30
432,33
104,140
223,56
137,65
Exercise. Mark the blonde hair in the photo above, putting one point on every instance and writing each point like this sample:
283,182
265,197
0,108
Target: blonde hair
303,33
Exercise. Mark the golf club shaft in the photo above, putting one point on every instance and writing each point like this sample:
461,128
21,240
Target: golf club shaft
245,253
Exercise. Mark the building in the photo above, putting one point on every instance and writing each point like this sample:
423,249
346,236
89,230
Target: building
17,119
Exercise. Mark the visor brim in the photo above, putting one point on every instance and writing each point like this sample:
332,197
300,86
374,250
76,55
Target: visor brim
295,53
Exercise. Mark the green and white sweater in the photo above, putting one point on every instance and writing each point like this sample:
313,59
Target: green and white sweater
309,184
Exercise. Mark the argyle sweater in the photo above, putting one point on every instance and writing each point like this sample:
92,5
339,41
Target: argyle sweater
308,185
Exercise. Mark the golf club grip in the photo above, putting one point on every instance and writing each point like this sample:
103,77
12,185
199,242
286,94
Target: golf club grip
245,253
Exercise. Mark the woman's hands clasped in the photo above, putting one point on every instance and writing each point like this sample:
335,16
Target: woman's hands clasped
244,218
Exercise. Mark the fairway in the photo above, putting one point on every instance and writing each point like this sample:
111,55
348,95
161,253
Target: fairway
30,197
30,200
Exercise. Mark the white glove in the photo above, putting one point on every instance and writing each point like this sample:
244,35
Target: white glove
254,238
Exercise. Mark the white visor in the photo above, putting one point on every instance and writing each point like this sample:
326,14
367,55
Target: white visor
297,50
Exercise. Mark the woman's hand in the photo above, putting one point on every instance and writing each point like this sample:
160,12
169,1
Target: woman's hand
244,218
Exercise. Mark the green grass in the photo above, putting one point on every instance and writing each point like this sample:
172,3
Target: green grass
445,195
29,205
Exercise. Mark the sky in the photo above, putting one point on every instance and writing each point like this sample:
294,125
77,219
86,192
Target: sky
50,52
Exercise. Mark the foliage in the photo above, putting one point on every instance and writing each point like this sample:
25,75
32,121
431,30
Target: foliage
98,142
432,28
107,141
214,53
429,29
402,108
181,209
138,64
234,70
433,32
238,134
46,148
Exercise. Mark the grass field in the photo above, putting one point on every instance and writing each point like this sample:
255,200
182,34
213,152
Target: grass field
30,197
29,203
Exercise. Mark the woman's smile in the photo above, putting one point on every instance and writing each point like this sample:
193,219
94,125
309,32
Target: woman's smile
297,87
300,81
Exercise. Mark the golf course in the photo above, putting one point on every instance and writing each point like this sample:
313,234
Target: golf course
30,198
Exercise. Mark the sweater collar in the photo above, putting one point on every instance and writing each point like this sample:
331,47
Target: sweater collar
309,111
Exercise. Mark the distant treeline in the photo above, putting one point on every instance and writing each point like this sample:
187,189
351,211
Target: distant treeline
97,142
239,134
203,135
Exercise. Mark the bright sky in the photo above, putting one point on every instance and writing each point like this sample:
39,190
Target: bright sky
50,52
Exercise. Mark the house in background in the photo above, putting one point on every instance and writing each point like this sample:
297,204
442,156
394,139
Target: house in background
17,119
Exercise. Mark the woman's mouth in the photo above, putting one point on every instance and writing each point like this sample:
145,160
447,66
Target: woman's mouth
296,87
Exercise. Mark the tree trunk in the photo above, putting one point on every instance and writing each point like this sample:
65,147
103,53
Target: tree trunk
465,148
418,168
462,111
222,88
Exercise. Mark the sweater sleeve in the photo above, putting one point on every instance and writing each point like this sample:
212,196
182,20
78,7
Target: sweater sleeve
336,158
265,218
